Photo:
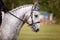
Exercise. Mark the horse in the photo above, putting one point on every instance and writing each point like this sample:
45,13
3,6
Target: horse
14,20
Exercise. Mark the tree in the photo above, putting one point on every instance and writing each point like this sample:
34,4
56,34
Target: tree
51,6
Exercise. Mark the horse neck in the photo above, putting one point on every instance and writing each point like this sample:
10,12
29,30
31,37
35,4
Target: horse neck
27,14
21,12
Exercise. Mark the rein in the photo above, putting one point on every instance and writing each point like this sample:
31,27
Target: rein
15,16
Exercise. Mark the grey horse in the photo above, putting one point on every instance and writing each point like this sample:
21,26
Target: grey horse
14,20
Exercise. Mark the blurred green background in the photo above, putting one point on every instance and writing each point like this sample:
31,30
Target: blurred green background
47,32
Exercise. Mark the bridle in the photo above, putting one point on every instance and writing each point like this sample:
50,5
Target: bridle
28,17
32,16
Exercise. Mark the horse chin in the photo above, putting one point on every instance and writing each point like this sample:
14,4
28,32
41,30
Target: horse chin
37,30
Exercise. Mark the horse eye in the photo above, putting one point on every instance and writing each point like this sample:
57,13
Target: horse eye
36,15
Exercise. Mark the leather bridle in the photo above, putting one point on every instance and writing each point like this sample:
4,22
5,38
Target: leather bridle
32,16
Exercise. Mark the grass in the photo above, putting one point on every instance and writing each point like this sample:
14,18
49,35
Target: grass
47,32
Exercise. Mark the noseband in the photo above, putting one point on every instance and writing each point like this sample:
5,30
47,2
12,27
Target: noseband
28,18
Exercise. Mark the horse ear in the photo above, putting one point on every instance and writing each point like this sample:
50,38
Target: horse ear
35,0
36,5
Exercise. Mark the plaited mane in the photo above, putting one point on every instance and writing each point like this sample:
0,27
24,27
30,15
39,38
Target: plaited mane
21,7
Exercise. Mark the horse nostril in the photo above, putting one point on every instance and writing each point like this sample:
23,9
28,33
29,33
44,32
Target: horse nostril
37,30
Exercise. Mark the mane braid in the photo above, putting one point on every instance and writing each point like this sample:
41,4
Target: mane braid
21,7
